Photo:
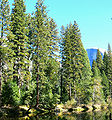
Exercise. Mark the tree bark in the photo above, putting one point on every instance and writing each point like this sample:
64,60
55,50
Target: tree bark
1,62
70,92
37,100
61,85
37,104
0,82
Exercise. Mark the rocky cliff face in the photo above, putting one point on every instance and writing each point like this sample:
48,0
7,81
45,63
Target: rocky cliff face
92,52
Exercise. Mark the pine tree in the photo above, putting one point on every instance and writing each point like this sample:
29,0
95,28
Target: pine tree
105,62
54,39
95,69
40,46
4,17
19,43
86,77
66,60
51,88
43,40
99,61
98,95
74,62
52,69
105,81
4,24
29,34
109,68
62,85
105,84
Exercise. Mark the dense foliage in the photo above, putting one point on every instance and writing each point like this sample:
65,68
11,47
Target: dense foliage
75,65
41,69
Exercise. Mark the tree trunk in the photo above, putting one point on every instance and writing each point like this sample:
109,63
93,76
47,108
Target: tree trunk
61,85
19,81
75,95
70,92
0,82
110,116
2,28
1,63
37,104
37,100
93,95
75,99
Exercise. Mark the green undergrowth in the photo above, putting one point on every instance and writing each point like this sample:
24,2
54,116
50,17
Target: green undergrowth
71,106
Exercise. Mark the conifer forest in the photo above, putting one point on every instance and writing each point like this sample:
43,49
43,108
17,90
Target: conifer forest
41,67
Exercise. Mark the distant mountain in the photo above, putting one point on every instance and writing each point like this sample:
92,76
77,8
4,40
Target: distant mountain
92,52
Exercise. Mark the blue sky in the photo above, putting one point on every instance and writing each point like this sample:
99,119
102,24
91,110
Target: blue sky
92,16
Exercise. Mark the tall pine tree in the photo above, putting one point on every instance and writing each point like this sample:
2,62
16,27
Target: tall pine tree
19,43
105,84
40,46
4,25
74,62
105,62
98,95
109,68
99,61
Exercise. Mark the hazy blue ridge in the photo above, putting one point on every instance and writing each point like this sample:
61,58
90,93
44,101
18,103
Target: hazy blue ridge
92,52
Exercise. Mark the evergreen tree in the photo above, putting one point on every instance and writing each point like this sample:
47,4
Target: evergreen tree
105,84
98,95
43,49
52,67
99,61
40,46
86,77
29,34
95,69
54,39
105,62
74,62
10,93
62,85
4,25
66,60
51,88
4,17
109,68
19,43
105,81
